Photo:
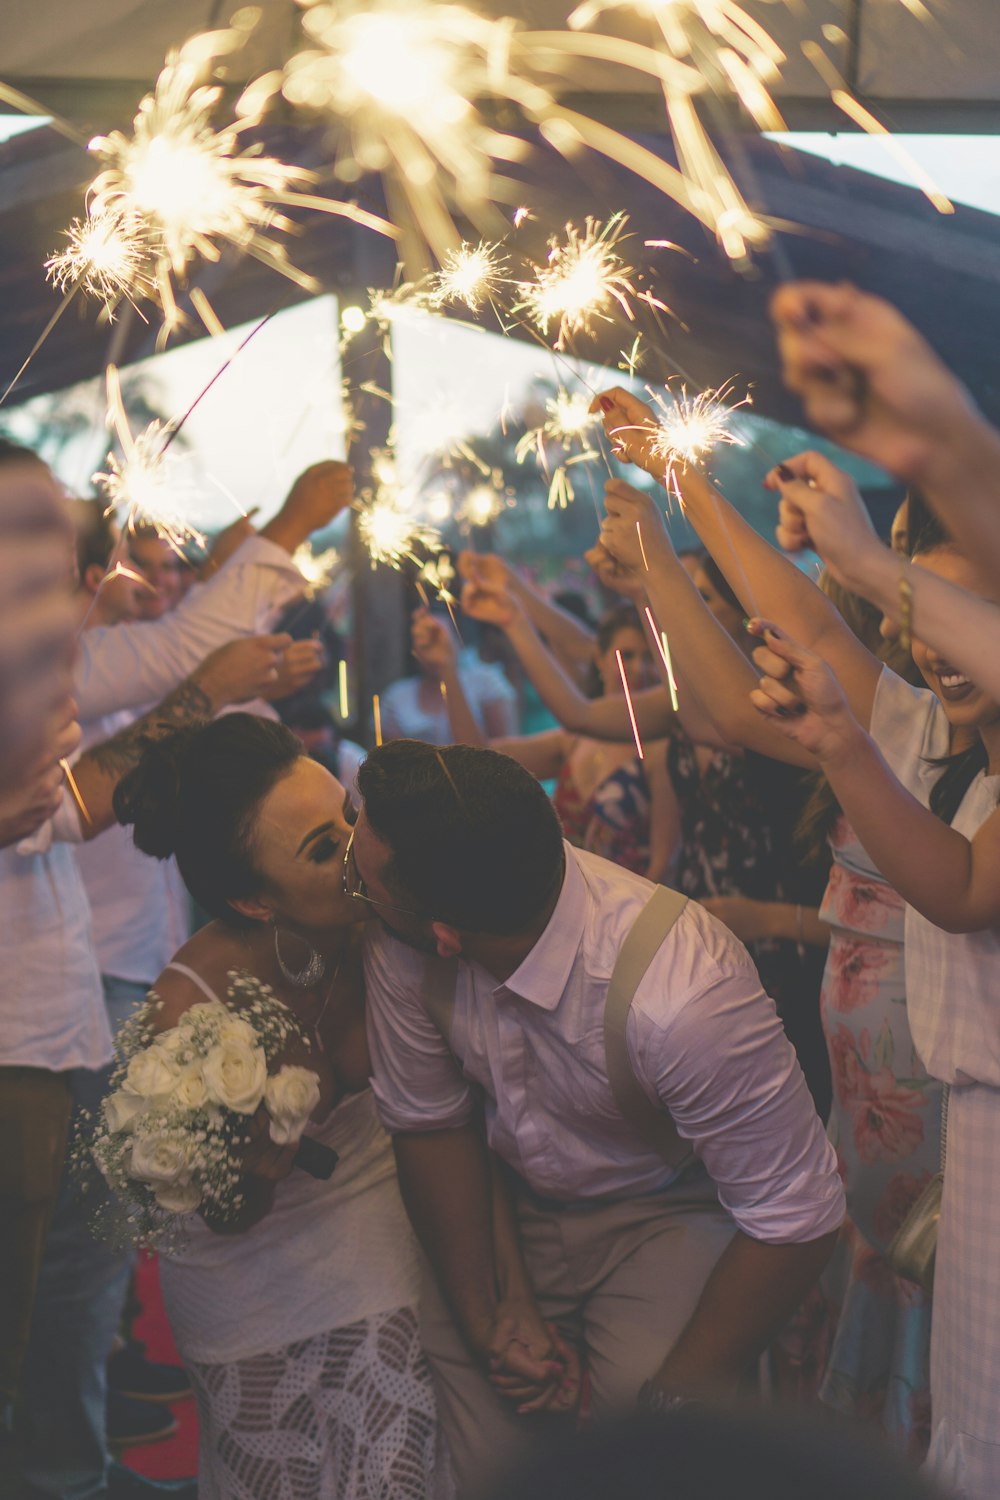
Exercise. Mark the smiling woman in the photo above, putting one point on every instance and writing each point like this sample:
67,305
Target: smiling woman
287,1381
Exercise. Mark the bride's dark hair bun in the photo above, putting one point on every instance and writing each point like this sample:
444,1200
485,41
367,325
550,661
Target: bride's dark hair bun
148,797
195,794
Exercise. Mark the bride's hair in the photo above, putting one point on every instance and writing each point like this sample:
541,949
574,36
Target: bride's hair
195,794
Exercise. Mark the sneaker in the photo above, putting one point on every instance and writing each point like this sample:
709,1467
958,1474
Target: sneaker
131,1423
126,1484
131,1374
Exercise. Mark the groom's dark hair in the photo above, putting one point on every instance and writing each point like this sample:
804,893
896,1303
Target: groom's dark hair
475,841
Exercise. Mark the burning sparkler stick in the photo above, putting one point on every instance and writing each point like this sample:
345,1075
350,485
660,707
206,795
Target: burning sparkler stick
580,281
342,685
471,276
317,568
628,700
663,646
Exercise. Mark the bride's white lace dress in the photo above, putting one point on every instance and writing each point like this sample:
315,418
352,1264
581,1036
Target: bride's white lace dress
300,1336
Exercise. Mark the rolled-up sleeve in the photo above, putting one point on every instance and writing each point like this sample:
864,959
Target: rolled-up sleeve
132,665
417,1082
720,1062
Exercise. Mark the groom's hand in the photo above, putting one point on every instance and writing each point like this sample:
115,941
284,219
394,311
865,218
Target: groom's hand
528,1363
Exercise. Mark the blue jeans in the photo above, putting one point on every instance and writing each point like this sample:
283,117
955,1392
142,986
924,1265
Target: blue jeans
81,1292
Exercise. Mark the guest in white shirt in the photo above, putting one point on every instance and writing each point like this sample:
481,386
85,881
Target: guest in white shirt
52,1010
666,1279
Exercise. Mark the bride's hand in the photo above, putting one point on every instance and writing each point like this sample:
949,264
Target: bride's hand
260,1157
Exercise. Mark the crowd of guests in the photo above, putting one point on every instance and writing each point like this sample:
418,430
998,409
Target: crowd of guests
637,1038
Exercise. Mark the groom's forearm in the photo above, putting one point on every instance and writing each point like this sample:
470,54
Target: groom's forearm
447,1187
749,1297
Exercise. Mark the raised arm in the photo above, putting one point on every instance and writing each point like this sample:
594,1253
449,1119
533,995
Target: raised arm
602,718
570,641
129,665
765,582
951,880
963,628
635,534
870,380
434,647
234,673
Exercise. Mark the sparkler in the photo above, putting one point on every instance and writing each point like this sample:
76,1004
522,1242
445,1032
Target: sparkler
398,78
692,427
377,715
580,281
567,425
388,525
179,187
628,700
342,687
484,502
317,568
663,646
709,48
108,255
149,483
472,275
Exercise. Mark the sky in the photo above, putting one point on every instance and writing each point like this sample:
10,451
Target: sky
965,167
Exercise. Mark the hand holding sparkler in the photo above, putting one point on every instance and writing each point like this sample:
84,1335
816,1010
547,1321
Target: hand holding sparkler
492,606
821,508
798,691
633,529
869,379
630,424
320,493
296,666
241,670
434,644
615,575
37,795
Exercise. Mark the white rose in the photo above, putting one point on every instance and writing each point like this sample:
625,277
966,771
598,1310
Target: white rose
207,1011
190,1090
236,1075
173,1040
179,1197
151,1073
160,1159
291,1096
120,1109
235,1029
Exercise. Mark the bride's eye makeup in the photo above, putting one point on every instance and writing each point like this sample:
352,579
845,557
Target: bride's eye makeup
323,850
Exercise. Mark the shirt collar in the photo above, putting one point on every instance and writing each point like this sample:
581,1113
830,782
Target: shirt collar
541,978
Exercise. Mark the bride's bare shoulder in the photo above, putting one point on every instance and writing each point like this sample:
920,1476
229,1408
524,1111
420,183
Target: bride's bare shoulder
211,954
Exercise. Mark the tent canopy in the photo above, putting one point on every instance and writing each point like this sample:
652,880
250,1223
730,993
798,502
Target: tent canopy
93,58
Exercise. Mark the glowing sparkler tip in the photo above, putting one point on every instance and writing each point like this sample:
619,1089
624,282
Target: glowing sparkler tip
107,253
581,279
472,275
690,428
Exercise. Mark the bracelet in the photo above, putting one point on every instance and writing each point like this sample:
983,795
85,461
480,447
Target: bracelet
905,607
657,1402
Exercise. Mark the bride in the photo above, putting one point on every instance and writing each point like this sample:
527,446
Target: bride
297,1323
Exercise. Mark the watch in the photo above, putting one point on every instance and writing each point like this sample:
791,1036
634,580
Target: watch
658,1401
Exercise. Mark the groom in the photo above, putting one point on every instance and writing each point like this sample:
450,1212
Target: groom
674,1193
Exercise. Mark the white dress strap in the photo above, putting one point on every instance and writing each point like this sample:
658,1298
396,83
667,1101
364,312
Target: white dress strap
197,980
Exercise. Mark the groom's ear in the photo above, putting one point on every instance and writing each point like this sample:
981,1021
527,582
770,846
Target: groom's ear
448,940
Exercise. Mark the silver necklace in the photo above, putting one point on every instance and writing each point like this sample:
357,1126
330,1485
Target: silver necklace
329,992
306,977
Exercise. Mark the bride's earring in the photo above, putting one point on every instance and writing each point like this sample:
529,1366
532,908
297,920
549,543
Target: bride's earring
310,974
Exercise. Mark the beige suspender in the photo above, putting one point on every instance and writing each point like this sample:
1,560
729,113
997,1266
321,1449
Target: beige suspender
637,952
647,933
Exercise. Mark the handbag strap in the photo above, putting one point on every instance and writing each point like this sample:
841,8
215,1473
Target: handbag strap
644,940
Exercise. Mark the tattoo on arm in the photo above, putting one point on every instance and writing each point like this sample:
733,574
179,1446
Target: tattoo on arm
187,704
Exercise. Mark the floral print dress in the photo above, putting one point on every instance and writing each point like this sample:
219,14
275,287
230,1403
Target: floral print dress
614,821
862,1339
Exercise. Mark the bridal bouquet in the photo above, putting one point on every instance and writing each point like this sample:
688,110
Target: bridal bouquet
170,1137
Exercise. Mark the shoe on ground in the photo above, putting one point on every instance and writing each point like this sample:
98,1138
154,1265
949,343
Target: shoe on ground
131,1374
132,1423
126,1484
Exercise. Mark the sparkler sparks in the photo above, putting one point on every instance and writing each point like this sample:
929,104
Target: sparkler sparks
398,78
317,568
472,275
567,426
484,502
149,483
692,427
580,281
178,187
389,526
108,254
628,700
